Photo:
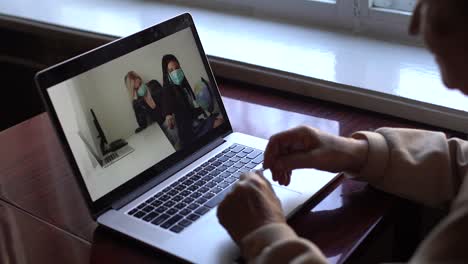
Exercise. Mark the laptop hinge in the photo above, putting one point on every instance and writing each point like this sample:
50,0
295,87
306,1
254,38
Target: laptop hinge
166,174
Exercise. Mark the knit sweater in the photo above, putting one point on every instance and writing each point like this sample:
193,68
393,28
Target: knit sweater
418,165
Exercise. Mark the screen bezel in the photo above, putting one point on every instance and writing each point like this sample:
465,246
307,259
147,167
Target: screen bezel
101,55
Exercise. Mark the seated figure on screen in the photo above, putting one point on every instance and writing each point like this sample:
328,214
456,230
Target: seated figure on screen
146,101
192,118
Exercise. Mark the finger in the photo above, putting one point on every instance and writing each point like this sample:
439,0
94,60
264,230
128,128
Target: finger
282,178
273,147
296,161
294,140
288,178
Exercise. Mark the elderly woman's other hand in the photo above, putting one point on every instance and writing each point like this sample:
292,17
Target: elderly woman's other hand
251,204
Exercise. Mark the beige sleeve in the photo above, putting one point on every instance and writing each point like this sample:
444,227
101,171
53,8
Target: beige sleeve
278,243
419,165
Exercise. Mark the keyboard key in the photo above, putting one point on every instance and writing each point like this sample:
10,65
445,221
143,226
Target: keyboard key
188,200
133,211
222,168
245,160
244,170
208,195
208,178
192,188
216,163
223,185
203,172
149,217
160,219
223,159
202,210
225,175
177,229
237,174
185,193
248,150
210,167
254,154
139,214
216,190
180,205
198,169
188,182
169,203
230,179
233,146
165,190
198,184
141,206
201,200
235,159
195,177
195,195
177,198
241,154
203,189
218,198
171,211
148,209
230,154
192,206
185,212
258,159
193,217
171,221
179,187
214,174
161,209
237,149
165,197
218,179
218,155
202,182
229,163
150,200
238,165
232,170
251,165
185,222
210,184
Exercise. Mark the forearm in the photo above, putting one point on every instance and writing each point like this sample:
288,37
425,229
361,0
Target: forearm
419,165
278,243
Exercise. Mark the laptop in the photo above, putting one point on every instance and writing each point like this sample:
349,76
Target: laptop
107,153
155,91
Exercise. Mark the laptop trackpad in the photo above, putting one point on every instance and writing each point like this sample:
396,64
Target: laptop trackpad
289,198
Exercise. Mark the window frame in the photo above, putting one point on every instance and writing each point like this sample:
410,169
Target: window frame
386,23
356,16
295,11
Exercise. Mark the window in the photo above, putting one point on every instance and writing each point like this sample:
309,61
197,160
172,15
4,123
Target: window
398,5
388,18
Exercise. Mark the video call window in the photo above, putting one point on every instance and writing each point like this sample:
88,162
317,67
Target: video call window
126,115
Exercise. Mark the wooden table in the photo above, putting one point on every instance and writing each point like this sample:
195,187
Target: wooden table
43,218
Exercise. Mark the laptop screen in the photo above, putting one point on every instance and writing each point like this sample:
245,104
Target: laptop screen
130,113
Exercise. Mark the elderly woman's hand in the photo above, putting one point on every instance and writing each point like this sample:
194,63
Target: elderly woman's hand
251,204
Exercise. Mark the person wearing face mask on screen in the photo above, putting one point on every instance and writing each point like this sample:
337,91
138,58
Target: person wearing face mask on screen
421,166
181,106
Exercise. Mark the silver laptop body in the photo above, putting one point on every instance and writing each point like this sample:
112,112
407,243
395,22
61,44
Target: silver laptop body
135,85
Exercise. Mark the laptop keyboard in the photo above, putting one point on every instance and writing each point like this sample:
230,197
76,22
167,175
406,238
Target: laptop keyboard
179,205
